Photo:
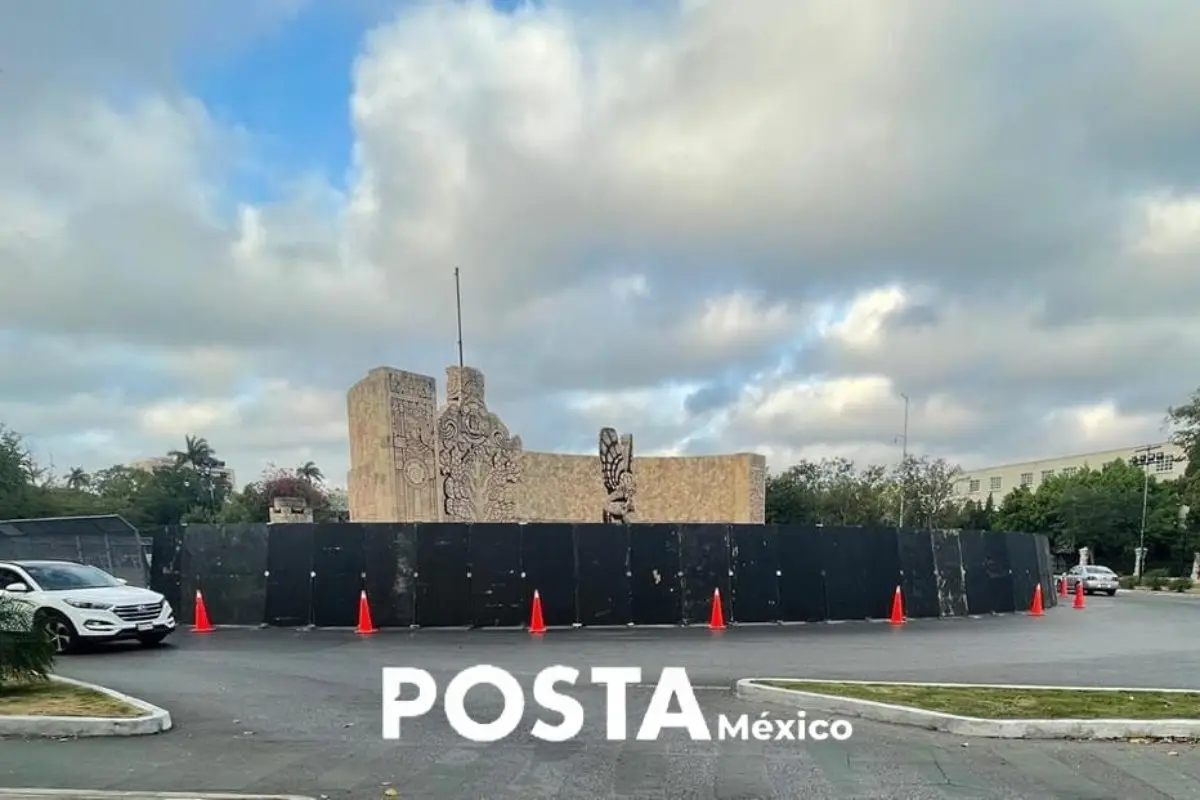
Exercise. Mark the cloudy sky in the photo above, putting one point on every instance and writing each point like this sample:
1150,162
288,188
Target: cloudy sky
719,226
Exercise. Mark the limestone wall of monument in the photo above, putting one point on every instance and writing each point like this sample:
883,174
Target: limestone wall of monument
412,461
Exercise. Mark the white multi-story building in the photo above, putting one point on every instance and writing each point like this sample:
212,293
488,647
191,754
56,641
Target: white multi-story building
166,462
1165,461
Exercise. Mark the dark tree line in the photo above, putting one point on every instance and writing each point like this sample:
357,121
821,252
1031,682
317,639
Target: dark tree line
190,487
1096,508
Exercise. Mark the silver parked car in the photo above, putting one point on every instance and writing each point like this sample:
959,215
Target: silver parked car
1094,579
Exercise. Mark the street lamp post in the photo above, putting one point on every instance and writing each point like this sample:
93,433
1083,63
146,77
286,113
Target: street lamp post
1143,459
903,460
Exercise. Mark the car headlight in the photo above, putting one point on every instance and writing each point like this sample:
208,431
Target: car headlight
88,605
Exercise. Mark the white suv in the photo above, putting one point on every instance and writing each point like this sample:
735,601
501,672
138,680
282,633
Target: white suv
77,603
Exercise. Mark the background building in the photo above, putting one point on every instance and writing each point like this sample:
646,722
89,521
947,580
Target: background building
166,462
1167,461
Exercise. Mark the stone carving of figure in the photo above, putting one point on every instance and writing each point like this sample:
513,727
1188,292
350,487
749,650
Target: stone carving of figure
616,465
479,461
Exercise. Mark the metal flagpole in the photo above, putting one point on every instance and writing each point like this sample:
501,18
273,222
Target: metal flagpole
458,305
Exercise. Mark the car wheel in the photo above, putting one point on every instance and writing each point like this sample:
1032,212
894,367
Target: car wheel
1112,592
151,639
61,632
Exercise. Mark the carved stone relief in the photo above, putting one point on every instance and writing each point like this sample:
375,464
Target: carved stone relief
616,467
758,491
414,403
479,462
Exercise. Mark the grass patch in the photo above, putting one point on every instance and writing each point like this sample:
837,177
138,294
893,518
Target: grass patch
988,703
55,699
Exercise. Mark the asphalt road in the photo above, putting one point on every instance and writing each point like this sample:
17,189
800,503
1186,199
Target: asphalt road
299,712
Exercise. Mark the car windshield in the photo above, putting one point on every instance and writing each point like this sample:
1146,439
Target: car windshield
1105,571
59,577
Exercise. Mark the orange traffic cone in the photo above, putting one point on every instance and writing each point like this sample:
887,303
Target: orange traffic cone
1079,596
536,623
897,617
716,620
1062,587
1036,610
365,626
201,625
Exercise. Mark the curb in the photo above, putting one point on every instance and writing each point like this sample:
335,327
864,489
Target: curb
90,794
153,720
749,689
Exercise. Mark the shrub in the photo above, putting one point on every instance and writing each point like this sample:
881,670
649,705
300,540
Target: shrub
1154,583
1181,585
1127,582
26,651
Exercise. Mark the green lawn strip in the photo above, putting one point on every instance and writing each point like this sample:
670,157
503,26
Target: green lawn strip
55,699
992,703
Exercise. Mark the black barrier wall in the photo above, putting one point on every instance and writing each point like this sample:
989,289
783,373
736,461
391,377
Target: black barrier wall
484,576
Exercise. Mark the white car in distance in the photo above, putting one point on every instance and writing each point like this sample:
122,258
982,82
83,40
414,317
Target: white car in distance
78,604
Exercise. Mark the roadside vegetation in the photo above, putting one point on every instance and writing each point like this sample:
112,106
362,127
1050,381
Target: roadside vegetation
26,662
995,703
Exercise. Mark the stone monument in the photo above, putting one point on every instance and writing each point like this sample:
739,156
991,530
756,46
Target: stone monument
616,466
413,461
289,510
479,463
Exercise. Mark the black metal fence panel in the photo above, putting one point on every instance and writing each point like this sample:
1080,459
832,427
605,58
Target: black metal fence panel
497,580
484,575
602,558
443,576
951,581
705,557
881,552
655,571
290,550
845,560
919,581
1045,562
801,579
974,562
548,559
998,567
166,570
227,563
755,582
390,566
1026,576
338,570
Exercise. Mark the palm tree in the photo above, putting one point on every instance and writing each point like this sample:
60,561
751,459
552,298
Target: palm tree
26,649
196,453
78,478
310,473
199,455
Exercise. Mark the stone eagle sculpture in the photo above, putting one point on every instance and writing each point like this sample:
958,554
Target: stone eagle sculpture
616,466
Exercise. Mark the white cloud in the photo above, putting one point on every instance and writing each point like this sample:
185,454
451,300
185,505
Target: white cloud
722,226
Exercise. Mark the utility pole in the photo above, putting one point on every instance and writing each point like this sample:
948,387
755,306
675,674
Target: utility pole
903,460
1143,460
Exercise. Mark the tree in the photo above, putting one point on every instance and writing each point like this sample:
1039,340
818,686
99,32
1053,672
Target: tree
310,472
78,479
253,502
927,488
17,475
196,453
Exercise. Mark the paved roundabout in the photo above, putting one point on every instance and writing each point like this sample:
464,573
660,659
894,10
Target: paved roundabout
299,712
